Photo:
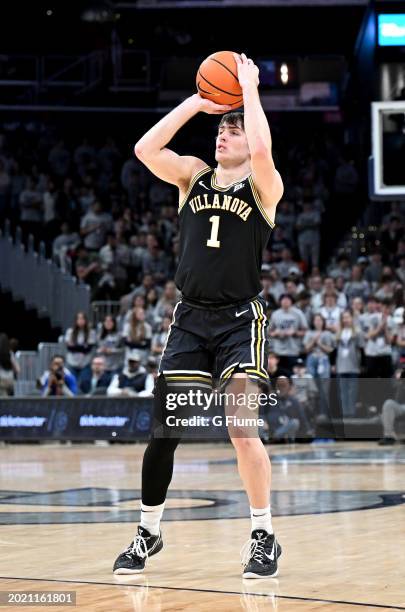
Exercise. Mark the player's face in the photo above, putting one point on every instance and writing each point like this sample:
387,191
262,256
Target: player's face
231,144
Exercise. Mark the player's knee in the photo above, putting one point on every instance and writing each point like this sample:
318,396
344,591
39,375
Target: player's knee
245,445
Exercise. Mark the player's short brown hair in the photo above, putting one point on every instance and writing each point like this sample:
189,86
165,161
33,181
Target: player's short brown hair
233,118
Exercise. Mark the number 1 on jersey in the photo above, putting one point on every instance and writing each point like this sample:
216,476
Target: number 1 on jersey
213,239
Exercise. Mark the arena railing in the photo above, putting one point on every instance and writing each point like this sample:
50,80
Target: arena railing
38,281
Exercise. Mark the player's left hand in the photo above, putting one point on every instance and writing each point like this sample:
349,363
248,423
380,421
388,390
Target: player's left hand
248,72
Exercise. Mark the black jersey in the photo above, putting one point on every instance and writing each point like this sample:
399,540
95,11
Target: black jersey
223,231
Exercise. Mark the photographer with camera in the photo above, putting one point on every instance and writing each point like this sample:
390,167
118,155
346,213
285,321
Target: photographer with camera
58,381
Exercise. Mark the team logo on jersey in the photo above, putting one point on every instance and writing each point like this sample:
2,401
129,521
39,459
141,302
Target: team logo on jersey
238,186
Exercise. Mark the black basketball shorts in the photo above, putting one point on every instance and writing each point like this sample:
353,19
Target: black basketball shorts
207,345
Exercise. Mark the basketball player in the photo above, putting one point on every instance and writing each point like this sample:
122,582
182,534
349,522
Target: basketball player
226,217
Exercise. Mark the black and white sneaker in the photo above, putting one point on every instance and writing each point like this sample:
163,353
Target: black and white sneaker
133,559
260,554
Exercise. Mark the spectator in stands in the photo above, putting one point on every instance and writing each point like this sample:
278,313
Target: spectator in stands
4,188
151,299
109,345
284,417
328,286
286,218
94,227
386,291
8,367
393,408
400,271
80,342
342,268
357,308
115,259
155,261
286,263
152,368
97,381
87,267
59,159
160,338
378,328
84,158
287,327
66,241
373,271
331,312
58,381
349,341
392,235
137,334
31,205
319,343
357,286
309,236
306,392
167,301
132,380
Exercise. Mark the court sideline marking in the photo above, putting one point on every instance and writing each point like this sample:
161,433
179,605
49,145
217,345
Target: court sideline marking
195,590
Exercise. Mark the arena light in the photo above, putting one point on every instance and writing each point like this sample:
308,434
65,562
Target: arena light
99,12
284,74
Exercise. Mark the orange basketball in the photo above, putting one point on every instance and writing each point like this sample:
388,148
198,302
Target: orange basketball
217,79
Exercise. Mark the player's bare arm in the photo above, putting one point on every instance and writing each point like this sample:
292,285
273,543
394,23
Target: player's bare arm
265,176
152,149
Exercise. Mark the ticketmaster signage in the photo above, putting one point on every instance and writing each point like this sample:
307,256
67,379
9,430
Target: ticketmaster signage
75,419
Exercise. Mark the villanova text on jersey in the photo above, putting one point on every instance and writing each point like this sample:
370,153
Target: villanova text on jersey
223,231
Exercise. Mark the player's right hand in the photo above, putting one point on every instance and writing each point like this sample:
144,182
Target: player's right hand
210,107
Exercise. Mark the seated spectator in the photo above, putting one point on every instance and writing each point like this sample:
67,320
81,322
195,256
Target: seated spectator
9,368
58,381
109,345
393,408
169,298
287,327
98,380
152,368
148,283
160,338
137,334
284,417
273,368
349,340
80,342
132,380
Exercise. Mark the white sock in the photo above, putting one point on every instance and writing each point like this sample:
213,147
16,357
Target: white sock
151,517
261,519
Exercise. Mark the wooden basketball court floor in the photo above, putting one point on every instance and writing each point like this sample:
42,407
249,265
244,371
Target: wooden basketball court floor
339,513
